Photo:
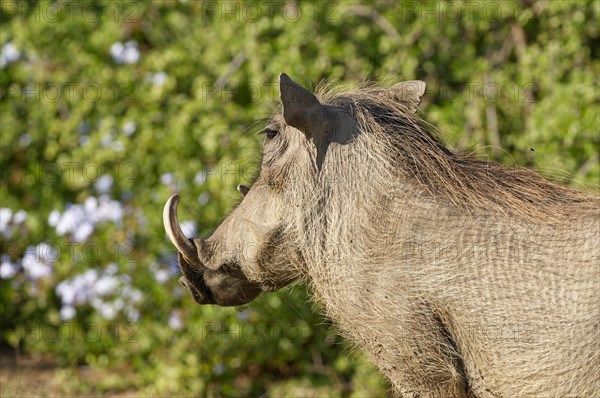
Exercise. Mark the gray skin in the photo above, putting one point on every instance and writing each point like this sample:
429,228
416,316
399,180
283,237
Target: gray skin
483,288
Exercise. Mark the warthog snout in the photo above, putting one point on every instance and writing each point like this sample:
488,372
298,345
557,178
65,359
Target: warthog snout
223,284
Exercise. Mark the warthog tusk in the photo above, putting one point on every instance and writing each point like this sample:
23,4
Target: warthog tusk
243,189
173,229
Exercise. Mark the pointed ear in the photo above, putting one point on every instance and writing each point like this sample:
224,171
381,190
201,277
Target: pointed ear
301,109
409,92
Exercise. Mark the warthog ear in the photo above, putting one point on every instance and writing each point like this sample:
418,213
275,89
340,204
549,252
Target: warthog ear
301,109
409,92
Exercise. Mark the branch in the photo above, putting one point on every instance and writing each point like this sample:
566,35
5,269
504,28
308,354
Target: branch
379,19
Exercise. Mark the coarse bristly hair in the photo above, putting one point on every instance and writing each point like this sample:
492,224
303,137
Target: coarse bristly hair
413,146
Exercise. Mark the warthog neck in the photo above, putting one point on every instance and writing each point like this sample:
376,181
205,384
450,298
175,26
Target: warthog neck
507,290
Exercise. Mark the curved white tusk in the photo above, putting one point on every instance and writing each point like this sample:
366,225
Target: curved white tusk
181,242
243,189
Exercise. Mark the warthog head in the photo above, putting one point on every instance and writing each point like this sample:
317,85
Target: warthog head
259,246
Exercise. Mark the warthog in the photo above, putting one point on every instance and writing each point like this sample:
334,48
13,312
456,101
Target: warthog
459,278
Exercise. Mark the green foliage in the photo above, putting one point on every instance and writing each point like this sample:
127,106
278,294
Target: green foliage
109,107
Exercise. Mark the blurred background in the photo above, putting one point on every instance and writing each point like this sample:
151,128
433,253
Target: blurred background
107,108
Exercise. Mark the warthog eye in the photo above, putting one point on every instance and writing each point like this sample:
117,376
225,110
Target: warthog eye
271,133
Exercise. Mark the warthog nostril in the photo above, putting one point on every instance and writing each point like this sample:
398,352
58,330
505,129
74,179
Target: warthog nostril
183,281
200,294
